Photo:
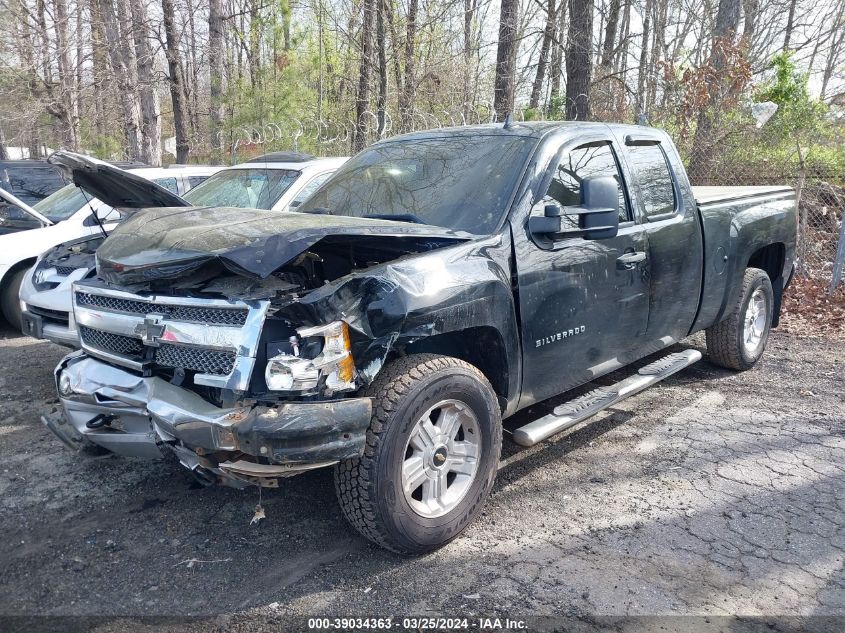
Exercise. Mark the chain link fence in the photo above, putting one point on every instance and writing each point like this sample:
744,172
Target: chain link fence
820,191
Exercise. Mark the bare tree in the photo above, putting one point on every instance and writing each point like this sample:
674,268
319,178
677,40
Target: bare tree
543,61
150,107
406,97
215,71
724,35
579,59
176,81
362,101
505,59
126,78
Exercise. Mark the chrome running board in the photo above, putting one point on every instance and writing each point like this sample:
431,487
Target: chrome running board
576,411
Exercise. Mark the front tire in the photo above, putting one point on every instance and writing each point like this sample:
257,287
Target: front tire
431,455
739,340
9,302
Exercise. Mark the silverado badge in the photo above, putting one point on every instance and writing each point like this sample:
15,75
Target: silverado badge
560,336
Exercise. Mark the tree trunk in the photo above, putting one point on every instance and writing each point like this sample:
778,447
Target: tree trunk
579,60
642,72
724,32
4,153
608,47
503,86
381,103
63,107
406,97
469,15
362,100
557,56
126,79
790,24
543,62
176,80
215,70
150,107
99,71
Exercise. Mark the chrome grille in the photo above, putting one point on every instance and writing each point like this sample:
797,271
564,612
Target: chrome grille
206,361
217,340
195,314
112,343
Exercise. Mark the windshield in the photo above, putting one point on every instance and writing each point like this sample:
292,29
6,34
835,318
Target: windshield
461,183
63,204
243,188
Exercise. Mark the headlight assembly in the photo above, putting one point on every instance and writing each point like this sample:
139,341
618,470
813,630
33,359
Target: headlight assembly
287,372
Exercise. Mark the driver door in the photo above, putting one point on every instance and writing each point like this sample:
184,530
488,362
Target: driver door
583,303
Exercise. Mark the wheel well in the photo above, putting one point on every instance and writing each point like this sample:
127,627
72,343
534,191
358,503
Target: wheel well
480,346
771,259
26,263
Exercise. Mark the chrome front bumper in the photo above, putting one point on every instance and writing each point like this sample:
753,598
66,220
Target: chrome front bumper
136,416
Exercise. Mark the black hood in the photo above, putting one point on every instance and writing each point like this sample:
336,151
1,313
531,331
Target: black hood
115,187
159,244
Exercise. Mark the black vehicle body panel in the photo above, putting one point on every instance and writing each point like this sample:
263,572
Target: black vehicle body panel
537,315
167,243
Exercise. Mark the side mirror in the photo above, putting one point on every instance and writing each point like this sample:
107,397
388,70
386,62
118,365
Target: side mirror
598,213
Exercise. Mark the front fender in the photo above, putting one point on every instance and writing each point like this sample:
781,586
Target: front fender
393,305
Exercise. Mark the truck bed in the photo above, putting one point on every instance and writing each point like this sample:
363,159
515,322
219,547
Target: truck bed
711,195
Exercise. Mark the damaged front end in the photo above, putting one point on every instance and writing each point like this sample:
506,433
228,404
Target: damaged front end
251,375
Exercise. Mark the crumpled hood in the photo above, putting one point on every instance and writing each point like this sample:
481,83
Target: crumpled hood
171,242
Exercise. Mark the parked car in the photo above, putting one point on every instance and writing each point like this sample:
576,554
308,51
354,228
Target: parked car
67,215
45,293
438,283
30,181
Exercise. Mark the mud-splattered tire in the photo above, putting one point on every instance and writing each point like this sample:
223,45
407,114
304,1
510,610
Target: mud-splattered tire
9,302
417,398
738,341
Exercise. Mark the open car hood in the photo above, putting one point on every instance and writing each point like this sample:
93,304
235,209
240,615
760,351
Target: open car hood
14,201
160,244
114,186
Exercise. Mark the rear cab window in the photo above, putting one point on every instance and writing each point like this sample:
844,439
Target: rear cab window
655,181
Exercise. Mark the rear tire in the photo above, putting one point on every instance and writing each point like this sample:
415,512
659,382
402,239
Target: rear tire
9,302
431,455
738,341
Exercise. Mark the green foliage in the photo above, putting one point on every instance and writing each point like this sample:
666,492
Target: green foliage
557,107
800,119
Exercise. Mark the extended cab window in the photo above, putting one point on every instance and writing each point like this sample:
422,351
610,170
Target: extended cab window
654,177
588,161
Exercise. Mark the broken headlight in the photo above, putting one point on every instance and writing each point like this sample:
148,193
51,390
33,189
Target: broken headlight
290,372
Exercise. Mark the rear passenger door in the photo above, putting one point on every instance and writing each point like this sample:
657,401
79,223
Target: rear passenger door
583,303
670,219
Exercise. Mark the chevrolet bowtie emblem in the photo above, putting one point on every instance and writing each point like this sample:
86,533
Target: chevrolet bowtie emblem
151,330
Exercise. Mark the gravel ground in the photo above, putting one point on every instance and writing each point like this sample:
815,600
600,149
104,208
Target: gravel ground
712,494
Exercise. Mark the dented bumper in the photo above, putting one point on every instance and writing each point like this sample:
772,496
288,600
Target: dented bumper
136,416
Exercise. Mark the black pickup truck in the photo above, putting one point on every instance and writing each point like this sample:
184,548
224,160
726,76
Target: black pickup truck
438,283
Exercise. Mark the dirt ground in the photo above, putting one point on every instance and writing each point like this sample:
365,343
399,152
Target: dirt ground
713,494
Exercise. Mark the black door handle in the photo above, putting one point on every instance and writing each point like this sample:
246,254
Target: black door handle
629,260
